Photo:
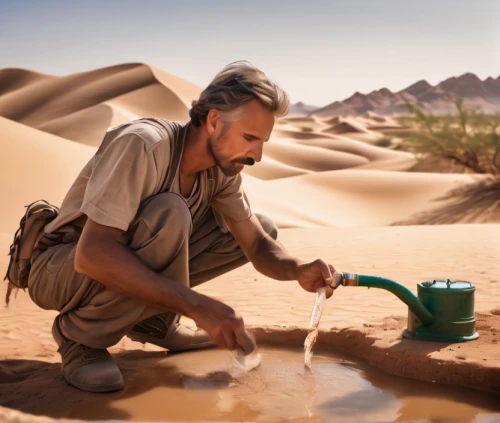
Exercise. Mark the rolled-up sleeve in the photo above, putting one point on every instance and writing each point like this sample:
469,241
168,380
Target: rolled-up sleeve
123,175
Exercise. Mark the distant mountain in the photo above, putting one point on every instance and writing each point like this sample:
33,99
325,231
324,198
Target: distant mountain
436,99
301,109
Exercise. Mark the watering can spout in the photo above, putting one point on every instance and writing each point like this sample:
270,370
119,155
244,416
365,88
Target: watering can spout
400,291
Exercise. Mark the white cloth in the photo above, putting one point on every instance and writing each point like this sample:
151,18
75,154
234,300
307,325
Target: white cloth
247,362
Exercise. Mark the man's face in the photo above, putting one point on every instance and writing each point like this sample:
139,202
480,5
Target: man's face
238,143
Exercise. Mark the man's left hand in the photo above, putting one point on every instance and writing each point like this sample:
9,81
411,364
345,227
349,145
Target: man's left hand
317,274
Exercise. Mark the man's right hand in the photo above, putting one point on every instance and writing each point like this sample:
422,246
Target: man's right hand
224,325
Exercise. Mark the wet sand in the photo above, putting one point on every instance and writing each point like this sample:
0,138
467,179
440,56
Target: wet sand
207,385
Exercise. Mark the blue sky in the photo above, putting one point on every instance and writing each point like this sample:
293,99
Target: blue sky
319,51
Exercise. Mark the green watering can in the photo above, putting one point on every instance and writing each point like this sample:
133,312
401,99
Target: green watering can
443,311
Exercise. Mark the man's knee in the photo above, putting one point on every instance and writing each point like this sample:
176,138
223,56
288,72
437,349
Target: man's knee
268,225
166,209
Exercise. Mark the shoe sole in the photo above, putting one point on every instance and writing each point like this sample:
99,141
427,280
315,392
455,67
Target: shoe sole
98,388
143,339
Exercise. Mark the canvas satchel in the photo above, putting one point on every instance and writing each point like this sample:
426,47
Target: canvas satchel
26,238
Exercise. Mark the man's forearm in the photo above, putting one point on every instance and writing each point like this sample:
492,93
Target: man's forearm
272,260
120,269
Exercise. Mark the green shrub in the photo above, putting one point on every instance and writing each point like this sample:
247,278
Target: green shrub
383,142
307,129
470,138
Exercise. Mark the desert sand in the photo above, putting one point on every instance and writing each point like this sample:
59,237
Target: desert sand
329,188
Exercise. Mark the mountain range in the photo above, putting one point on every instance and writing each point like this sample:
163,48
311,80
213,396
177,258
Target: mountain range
438,99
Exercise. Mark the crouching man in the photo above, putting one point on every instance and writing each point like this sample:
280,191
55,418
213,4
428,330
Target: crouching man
158,210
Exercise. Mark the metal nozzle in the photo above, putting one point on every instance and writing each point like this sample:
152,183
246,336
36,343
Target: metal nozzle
347,279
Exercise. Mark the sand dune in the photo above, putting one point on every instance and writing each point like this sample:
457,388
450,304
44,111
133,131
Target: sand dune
359,143
314,158
368,128
303,123
50,104
35,165
347,198
86,126
360,155
12,79
364,127
372,120
270,168
345,126
289,131
359,148
398,164
331,121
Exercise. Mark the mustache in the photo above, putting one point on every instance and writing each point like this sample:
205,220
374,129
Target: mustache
248,161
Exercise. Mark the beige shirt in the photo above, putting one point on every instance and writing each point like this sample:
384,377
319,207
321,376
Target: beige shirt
131,165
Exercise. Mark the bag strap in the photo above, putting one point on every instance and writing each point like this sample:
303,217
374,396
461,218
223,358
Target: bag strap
174,161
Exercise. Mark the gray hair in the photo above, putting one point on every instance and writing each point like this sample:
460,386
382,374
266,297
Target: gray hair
232,87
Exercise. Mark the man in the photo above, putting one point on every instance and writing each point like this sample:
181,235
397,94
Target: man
158,210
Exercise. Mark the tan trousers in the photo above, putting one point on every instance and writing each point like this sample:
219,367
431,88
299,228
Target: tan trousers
163,237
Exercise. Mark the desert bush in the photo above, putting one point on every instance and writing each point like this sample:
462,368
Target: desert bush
383,142
470,138
307,129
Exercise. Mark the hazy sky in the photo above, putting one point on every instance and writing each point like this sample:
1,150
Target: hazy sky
319,51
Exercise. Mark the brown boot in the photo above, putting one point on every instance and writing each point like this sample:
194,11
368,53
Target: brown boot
165,331
90,369
86,368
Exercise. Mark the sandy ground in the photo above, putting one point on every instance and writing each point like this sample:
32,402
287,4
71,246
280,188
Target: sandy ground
363,323
332,192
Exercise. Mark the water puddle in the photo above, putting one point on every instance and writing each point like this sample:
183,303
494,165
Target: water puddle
207,386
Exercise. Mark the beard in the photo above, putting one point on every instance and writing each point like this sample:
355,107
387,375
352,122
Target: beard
228,167
231,168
